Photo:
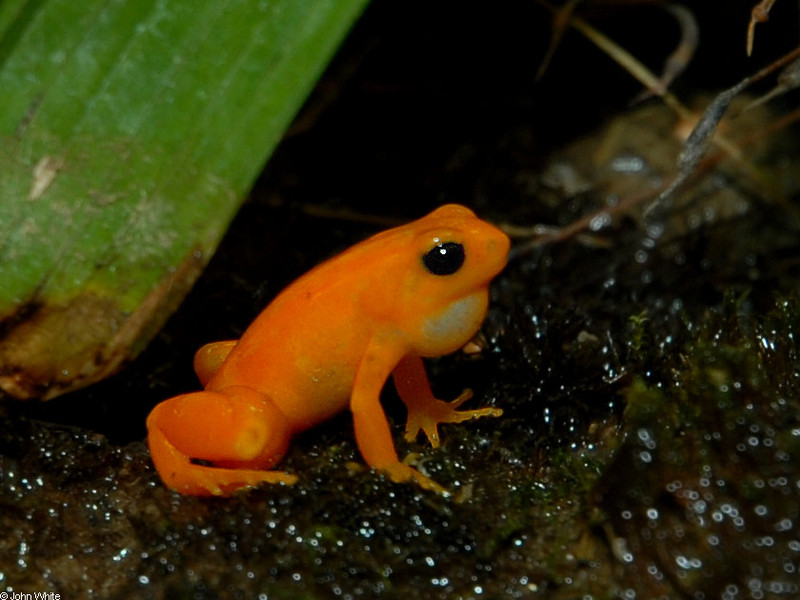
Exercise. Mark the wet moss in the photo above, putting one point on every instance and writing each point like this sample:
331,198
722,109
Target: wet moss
704,489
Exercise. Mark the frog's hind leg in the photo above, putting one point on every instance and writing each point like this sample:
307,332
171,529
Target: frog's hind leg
179,473
209,358
239,432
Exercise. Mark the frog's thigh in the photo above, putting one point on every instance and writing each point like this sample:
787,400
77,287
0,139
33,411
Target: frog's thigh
233,426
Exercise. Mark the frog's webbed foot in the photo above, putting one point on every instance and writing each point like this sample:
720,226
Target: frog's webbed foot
181,474
427,414
240,433
401,473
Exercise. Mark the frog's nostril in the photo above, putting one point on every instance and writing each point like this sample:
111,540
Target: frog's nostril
499,246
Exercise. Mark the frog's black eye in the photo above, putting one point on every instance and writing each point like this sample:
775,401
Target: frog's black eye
444,258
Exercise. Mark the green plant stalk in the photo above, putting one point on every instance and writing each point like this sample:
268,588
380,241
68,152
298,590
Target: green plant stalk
130,132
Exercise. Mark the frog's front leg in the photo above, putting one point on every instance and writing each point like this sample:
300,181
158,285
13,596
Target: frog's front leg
238,431
373,436
425,412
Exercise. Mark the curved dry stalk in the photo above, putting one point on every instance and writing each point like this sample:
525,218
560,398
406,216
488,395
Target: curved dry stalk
593,222
691,161
561,18
788,80
625,59
759,14
683,53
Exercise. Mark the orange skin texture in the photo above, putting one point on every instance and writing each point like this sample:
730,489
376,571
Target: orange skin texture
329,342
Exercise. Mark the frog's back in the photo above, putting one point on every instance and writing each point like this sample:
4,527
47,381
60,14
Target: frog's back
304,348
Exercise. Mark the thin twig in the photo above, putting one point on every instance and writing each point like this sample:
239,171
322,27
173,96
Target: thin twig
561,20
759,14
680,58
788,80
702,135
626,60
695,147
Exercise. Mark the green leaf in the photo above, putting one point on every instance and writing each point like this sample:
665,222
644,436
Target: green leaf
130,131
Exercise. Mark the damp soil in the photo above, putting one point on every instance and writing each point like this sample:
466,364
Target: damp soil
647,368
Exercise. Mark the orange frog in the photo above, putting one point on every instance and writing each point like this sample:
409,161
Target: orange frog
328,342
